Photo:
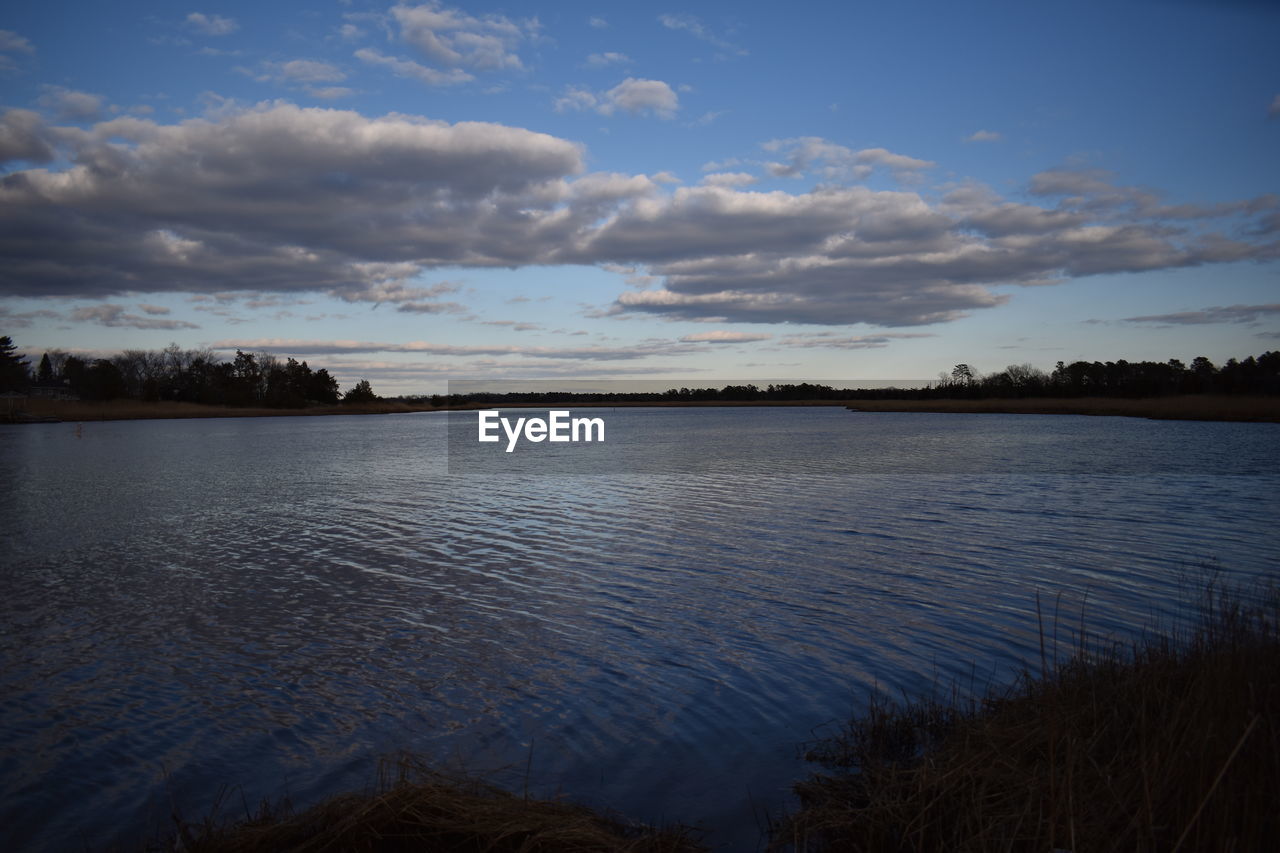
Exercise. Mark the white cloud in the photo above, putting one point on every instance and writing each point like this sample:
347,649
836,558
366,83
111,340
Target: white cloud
693,26
279,199
836,162
984,136
411,70
597,23
305,71
721,336
211,25
729,179
633,95
455,39
12,43
603,60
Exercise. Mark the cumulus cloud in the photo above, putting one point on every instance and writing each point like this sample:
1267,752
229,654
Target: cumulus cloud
720,336
211,25
729,179
69,105
114,315
24,136
634,95
1215,314
453,38
279,199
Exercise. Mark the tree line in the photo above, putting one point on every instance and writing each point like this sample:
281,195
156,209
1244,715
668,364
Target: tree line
1120,378
179,375
1252,375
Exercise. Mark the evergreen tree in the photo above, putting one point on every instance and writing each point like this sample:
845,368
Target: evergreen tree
13,367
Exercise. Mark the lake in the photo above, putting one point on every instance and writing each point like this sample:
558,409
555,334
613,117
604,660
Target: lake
653,624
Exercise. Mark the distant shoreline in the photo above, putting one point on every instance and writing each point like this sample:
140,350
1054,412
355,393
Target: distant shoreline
1187,407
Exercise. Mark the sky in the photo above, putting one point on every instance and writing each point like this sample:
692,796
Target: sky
412,192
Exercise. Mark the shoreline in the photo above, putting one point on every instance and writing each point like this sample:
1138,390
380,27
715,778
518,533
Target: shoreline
1246,409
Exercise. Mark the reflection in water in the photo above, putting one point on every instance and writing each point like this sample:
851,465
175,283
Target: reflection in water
275,602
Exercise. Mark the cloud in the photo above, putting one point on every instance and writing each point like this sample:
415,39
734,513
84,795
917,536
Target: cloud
633,95
304,74
309,348
279,199
302,71
719,336
834,162
729,179
24,136
154,310
1273,111
825,340
410,70
693,26
114,315
597,23
11,43
11,319
603,60
211,25
69,105
984,136
454,39
1215,314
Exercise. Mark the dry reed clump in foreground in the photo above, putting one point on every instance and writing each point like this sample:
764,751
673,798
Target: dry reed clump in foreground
416,809
1169,745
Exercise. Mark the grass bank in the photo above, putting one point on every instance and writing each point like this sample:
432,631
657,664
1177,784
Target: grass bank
1191,407
1168,744
1187,407
419,810
1172,744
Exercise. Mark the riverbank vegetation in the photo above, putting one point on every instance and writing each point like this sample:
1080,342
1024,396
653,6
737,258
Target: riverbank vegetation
1169,744
196,383
417,809
175,375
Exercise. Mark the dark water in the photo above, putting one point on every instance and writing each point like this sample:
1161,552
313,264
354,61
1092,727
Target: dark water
274,603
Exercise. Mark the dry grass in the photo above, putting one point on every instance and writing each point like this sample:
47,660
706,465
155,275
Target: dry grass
1193,407
419,810
1190,407
1172,745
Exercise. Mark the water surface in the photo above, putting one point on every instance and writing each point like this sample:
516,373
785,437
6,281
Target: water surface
652,626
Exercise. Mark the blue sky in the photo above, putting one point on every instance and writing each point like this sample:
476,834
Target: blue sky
417,192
